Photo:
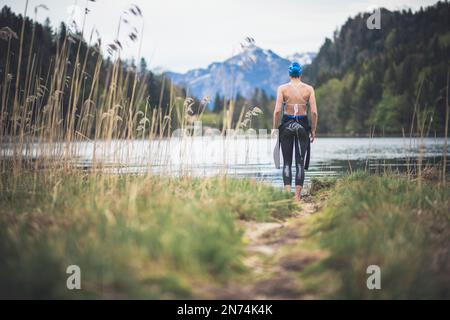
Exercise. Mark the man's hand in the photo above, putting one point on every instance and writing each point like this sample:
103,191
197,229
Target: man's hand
312,136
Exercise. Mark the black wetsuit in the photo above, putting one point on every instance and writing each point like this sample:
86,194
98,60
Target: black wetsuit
294,134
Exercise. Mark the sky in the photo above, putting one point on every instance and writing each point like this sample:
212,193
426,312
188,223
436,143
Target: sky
180,35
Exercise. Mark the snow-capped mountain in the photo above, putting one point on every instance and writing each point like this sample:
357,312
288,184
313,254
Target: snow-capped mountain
158,70
302,58
253,68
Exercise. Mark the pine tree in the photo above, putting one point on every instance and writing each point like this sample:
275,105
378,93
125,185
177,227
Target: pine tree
218,104
142,66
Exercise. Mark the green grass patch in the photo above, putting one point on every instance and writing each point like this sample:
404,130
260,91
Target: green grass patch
132,237
390,221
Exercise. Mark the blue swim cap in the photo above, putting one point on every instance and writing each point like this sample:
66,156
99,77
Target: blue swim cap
295,69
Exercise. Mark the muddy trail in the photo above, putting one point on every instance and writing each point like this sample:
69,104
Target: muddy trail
274,259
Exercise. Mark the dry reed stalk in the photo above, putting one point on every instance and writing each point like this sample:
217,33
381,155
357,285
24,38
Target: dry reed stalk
444,167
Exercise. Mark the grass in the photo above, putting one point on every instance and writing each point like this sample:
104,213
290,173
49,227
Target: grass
386,220
159,238
133,237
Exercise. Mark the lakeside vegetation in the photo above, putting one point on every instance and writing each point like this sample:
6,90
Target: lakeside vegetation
146,237
133,237
397,222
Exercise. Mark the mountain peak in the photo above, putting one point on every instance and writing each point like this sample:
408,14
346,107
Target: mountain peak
252,68
254,54
302,58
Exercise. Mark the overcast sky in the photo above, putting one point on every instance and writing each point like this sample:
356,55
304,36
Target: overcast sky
183,34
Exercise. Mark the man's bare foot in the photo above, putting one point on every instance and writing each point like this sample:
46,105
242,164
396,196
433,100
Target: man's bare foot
287,188
298,193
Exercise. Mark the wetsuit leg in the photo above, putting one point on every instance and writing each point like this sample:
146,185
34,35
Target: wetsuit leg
287,147
301,141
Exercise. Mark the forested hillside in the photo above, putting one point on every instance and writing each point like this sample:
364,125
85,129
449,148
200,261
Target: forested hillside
384,79
89,74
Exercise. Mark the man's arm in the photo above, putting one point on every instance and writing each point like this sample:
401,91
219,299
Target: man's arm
277,110
314,115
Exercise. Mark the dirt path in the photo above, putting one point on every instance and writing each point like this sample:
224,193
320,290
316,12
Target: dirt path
273,258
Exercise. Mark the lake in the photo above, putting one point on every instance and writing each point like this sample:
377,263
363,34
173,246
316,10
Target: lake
240,156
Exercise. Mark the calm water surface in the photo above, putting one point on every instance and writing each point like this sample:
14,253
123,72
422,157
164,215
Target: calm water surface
242,156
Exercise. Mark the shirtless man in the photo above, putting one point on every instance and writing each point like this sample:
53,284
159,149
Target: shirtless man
295,132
